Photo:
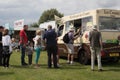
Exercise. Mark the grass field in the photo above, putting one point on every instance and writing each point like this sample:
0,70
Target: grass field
66,72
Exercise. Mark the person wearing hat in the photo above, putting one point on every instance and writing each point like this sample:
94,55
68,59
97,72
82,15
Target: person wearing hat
70,45
37,46
1,56
95,47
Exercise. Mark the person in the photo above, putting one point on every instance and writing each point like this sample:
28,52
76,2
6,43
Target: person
29,52
6,48
37,46
50,39
72,37
1,56
95,47
23,42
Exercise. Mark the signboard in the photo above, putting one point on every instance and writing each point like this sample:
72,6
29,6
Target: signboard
18,24
45,25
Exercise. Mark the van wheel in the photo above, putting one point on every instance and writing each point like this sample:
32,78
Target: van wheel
82,57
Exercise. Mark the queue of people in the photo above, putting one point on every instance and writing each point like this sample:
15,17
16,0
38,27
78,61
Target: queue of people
50,41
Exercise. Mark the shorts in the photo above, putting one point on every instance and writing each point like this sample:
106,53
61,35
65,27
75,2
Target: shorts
70,48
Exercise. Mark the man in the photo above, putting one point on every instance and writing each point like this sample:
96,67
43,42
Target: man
50,38
95,46
1,29
72,36
23,43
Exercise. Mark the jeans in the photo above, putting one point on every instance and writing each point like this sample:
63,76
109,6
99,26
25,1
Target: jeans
95,51
30,59
37,49
22,48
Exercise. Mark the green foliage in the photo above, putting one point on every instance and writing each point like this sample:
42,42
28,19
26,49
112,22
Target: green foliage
66,72
34,25
48,15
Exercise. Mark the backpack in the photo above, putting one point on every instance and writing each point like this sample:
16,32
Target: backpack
66,38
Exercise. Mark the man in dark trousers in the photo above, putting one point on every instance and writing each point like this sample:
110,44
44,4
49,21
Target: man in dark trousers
96,47
50,39
1,29
23,42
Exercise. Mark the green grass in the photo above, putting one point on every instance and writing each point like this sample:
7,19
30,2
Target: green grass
66,72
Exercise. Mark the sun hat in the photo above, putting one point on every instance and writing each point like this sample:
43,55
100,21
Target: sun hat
94,27
72,29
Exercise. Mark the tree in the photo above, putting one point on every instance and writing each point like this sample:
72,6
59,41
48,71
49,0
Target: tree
34,25
48,15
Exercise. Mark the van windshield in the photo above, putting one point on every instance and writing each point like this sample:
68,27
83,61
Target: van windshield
109,24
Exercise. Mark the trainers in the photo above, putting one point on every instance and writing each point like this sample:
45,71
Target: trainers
92,70
24,64
71,62
99,70
36,66
68,62
56,67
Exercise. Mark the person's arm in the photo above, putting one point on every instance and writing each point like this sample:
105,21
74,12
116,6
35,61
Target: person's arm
44,39
101,42
21,37
78,32
10,44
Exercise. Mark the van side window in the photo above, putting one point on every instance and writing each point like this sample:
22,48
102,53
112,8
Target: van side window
60,30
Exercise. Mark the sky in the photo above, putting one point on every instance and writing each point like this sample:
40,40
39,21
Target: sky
31,10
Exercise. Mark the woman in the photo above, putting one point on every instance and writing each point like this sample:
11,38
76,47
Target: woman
6,48
37,46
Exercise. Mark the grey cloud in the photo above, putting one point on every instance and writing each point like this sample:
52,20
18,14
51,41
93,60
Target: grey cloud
30,10
108,3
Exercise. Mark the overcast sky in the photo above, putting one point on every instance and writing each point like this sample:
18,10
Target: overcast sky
30,10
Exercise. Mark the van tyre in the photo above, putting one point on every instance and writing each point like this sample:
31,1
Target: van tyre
82,57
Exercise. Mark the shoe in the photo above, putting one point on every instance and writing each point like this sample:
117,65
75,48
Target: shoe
49,67
1,65
36,67
71,62
24,64
99,70
56,67
68,62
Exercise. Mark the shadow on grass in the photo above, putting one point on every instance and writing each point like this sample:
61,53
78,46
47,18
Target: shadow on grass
6,73
111,64
24,67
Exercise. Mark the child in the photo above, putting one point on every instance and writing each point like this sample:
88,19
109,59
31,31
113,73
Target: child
29,52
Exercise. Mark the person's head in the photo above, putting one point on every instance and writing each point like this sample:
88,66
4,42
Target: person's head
95,27
1,28
31,43
38,32
71,29
25,27
13,40
49,27
5,32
